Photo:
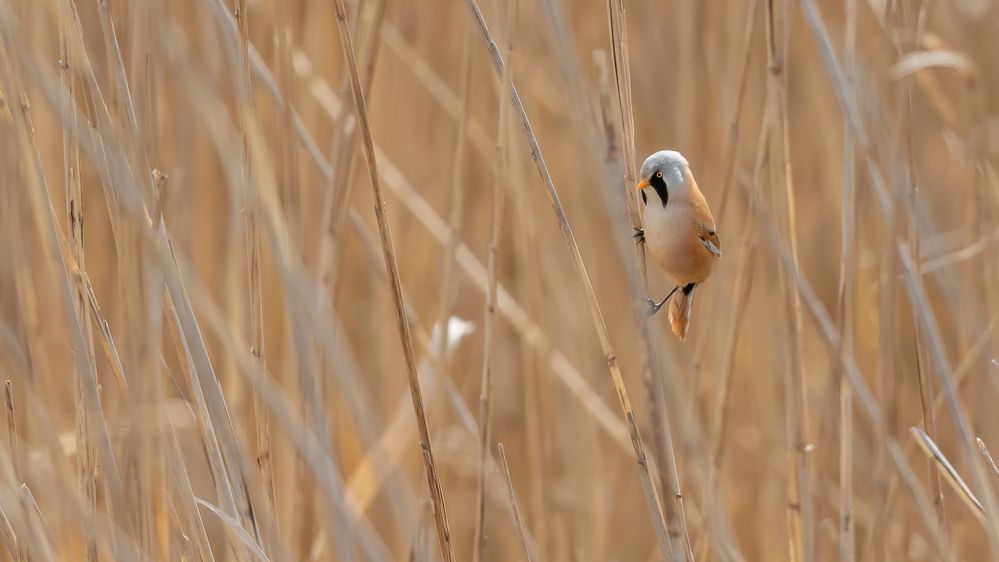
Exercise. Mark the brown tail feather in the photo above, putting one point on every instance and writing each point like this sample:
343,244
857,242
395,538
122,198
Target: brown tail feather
679,312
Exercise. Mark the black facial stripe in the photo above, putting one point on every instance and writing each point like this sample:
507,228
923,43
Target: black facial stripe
645,198
659,184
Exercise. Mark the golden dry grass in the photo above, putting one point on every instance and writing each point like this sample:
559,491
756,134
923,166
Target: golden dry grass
214,343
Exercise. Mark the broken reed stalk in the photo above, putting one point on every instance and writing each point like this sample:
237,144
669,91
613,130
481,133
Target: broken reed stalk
8,536
489,331
799,506
927,322
433,478
86,469
15,455
610,356
847,538
12,439
35,522
988,456
187,505
949,473
518,520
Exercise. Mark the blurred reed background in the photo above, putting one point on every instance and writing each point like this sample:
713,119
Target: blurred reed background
203,348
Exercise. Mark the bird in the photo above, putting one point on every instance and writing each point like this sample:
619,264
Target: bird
679,232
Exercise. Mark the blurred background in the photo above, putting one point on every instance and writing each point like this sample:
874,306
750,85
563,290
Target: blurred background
204,356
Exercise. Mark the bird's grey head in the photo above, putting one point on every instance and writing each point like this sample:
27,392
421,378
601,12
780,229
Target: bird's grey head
667,172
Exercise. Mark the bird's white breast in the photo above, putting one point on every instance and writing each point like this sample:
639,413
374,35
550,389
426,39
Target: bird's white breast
661,225
671,241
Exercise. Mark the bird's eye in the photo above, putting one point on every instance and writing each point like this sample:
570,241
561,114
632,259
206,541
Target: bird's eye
659,174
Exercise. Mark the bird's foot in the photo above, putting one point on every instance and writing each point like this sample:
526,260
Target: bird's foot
639,235
653,307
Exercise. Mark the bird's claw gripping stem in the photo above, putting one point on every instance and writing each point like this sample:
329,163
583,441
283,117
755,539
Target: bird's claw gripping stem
653,307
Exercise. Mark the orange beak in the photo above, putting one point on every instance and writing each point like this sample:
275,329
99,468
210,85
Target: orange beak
642,184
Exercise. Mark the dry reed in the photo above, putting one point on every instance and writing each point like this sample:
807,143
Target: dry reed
201,306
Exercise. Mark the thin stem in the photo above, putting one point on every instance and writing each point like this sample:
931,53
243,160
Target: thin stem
489,358
847,538
456,203
251,203
294,197
610,356
799,506
827,329
85,461
916,290
15,453
906,196
518,521
433,478
662,448
340,185
731,150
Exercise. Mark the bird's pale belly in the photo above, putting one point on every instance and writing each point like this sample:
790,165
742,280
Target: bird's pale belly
671,241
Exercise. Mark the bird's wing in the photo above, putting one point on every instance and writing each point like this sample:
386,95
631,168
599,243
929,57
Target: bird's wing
709,238
705,222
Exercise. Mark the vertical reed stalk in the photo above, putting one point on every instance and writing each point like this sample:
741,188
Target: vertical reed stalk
85,462
847,275
489,345
799,506
21,554
538,420
662,443
340,185
456,203
610,356
295,198
391,264
251,240
906,196
720,423
730,154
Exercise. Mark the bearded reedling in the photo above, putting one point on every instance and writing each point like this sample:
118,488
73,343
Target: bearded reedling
679,232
